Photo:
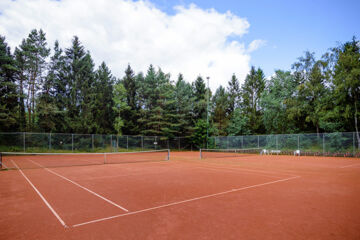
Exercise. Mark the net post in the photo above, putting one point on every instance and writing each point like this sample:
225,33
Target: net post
200,154
168,156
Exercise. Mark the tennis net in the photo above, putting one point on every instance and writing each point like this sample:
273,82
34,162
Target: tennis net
14,160
224,153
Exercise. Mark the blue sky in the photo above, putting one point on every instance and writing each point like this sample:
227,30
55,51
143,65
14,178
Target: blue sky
197,38
289,27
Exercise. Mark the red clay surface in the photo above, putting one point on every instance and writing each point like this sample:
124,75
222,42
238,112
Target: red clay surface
247,197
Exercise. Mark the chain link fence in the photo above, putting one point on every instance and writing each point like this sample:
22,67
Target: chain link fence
344,144
65,142
325,144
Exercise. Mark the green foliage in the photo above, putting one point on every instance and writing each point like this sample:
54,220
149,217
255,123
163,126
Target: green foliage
32,54
8,94
251,92
311,89
276,101
220,107
120,106
200,104
238,124
64,93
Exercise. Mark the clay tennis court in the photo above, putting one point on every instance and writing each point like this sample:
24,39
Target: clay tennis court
245,197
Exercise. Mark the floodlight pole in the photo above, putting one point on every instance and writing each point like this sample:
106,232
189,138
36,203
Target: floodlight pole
207,114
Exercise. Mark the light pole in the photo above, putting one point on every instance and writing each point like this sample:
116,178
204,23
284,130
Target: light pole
207,114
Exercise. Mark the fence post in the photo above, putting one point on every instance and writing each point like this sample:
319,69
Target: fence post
117,143
24,144
258,142
354,144
298,142
49,141
277,142
111,143
179,143
323,144
127,142
142,142
92,141
72,142
242,142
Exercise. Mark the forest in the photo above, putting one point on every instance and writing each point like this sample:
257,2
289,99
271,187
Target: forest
60,90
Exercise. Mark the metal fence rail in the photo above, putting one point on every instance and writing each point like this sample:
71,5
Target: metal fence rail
326,144
67,142
322,144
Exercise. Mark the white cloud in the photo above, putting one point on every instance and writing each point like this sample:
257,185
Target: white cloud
193,41
256,44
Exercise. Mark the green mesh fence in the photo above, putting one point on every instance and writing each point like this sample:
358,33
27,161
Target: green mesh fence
326,144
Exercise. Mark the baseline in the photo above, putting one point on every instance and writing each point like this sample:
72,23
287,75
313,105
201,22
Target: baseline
184,201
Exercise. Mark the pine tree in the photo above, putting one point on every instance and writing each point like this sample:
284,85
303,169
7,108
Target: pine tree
184,104
220,104
233,94
80,78
130,114
103,107
251,92
8,93
200,106
51,103
32,55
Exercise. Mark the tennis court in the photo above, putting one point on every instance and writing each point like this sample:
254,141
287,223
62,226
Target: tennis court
147,196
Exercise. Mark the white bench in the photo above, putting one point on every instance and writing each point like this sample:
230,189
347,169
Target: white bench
275,151
297,152
264,152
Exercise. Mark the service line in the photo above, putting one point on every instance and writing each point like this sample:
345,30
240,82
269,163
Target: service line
352,165
184,201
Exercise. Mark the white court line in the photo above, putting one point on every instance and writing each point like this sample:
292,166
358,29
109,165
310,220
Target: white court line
94,193
238,167
41,196
185,201
238,171
350,165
